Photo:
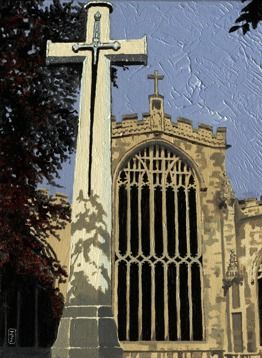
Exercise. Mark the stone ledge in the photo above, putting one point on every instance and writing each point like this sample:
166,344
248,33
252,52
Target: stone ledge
87,311
251,207
56,197
87,353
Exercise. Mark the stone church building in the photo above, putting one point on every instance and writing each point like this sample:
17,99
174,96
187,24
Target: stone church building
187,254
187,270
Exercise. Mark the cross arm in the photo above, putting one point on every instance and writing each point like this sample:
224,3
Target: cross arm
155,77
62,53
134,51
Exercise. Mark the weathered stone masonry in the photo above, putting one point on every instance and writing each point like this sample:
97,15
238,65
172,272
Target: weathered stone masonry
227,227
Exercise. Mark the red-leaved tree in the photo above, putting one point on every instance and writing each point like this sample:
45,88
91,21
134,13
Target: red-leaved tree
38,125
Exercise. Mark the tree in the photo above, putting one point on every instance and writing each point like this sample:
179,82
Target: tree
250,15
37,134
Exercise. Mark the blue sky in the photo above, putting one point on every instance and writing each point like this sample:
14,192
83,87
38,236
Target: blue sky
211,76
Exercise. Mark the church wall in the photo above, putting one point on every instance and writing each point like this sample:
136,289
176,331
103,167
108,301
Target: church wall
233,293
221,219
209,161
250,258
172,354
225,226
61,242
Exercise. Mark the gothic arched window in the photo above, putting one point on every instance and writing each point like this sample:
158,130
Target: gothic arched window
158,259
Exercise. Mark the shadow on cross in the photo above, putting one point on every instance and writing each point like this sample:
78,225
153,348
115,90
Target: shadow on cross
90,258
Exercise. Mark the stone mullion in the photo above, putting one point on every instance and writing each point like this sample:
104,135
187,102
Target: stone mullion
164,213
176,222
179,170
140,323
128,212
178,301
165,251
189,275
177,254
187,221
140,208
190,304
127,300
166,316
140,290
153,312
128,251
202,300
152,240
151,204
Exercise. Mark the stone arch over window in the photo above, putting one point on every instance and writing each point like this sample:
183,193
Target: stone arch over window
158,257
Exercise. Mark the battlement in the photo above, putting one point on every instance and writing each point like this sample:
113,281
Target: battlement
128,117
182,128
158,122
58,197
251,207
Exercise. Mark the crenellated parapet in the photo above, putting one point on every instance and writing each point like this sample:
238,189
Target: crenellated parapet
57,197
182,128
60,197
158,122
250,207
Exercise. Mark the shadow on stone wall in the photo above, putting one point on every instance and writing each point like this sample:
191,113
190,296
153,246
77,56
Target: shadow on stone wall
90,268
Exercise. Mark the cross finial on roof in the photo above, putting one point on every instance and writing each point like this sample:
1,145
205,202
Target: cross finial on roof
156,77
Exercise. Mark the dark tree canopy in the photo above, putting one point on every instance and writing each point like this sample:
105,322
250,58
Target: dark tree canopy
38,125
250,15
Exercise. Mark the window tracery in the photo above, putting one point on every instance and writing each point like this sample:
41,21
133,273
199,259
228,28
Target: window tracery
158,258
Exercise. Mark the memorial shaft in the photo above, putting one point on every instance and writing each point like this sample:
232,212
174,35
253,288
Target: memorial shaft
87,325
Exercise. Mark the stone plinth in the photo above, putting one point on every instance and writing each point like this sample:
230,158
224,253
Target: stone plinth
87,331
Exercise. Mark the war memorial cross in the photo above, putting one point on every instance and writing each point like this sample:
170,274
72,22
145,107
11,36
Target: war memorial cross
89,294
96,54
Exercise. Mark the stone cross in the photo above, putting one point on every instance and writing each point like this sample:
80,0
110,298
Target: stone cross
156,77
87,324
96,44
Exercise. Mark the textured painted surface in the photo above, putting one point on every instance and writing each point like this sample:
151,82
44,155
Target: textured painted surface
209,165
211,76
226,226
89,282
